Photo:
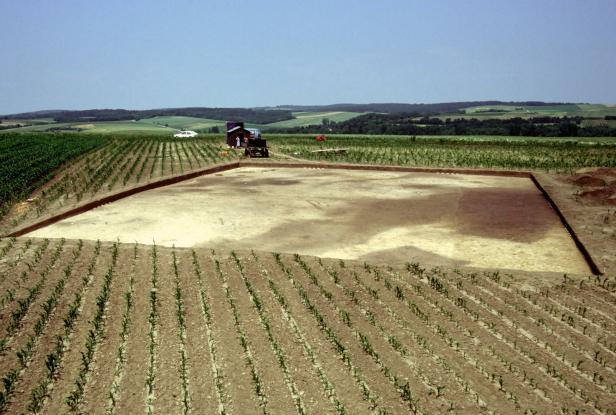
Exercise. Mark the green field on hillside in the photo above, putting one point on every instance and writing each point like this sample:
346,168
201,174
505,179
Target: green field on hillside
529,111
185,123
169,124
312,118
106,127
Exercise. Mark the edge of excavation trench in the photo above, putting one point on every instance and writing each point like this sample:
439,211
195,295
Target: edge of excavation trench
314,165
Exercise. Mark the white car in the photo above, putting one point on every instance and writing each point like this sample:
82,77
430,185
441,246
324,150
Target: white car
185,134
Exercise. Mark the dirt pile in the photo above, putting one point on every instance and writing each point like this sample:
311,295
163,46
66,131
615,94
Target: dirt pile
586,180
598,185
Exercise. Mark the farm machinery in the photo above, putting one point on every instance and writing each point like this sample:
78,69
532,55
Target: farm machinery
247,138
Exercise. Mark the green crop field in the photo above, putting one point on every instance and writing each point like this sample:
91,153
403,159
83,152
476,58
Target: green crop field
186,123
312,118
27,161
165,125
529,111
107,127
561,155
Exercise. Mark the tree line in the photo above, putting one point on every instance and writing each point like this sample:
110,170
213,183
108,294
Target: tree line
414,124
256,116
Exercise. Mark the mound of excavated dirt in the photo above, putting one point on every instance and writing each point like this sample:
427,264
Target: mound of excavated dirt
606,171
597,179
587,180
603,195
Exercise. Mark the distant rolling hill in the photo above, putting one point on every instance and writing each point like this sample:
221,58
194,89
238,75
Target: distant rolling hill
203,119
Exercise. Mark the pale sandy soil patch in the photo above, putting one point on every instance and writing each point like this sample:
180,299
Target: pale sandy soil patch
395,217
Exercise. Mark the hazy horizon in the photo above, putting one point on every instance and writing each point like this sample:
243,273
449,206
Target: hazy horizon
75,55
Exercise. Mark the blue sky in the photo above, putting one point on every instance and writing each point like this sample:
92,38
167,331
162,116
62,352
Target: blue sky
150,54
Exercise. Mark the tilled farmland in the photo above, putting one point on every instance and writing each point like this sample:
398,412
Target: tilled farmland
118,328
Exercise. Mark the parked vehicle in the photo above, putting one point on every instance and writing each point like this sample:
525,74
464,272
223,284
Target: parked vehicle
248,138
185,134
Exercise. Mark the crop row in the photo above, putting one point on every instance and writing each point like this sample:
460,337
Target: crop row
197,331
120,162
409,151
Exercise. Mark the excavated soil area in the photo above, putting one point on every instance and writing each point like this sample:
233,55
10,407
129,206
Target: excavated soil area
384,217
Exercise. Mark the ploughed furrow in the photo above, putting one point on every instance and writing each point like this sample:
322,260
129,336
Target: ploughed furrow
556,333
46,358
16,275
153,164
193,152
11,257
239,388
186,155
387,391
178,156
131,396
436,390
7,247
166,396
16,308
123,164
180,313
103,366
474,344
270,359
145,161
578,299
126,326
590,330
54,356
92,347
320,377
512,347
485,395
518,361
201,375
222,271
167,167
22,364
551,359
71,371
123,328
470,344
22,312
599,300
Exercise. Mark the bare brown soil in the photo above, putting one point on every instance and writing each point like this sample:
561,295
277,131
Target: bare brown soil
300,333
590,211
381,216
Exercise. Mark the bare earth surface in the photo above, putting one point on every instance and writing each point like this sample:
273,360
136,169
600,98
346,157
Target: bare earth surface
135,329
384,217
586,201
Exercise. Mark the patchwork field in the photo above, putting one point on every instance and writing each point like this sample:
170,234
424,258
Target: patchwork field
313,118
528,111
167,125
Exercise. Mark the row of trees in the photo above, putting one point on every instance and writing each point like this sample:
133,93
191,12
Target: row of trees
410,124
256,116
